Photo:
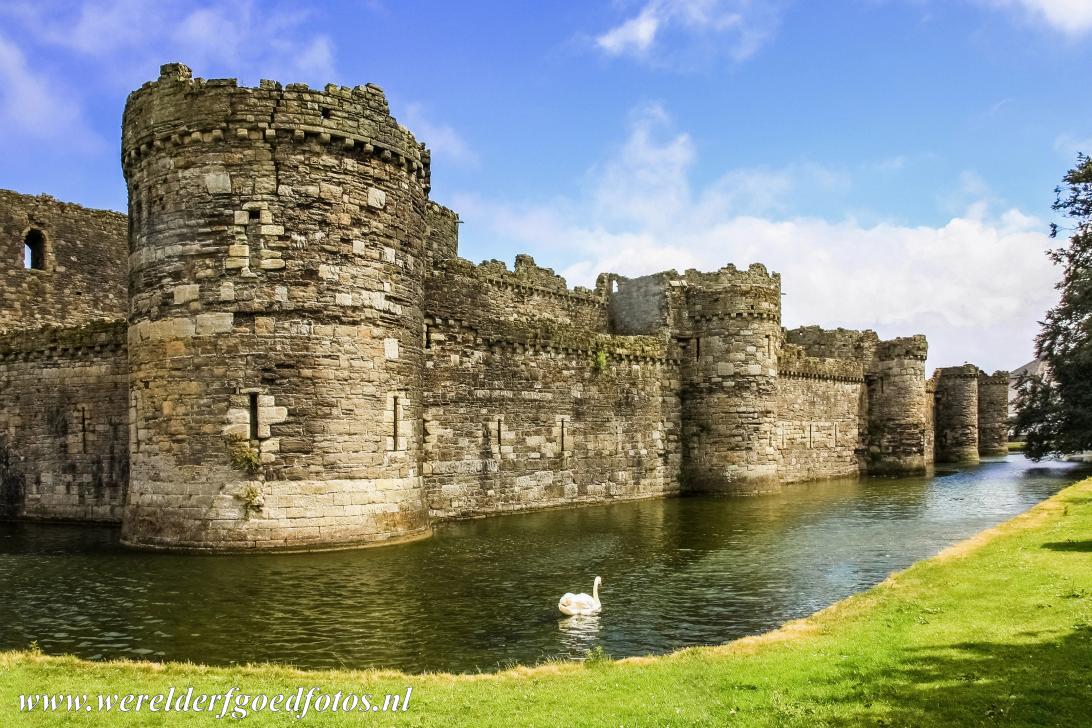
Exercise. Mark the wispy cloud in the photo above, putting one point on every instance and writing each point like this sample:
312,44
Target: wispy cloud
124,37
35,108
106,47
975,284
1070,145
1071,17
443,140
682,33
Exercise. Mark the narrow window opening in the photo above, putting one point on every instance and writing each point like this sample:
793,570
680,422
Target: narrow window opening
83,429
325,113
562,435
769,346
134,218
253,415
255,215
881,385
34,252
428,336
499,431
395,423
614,286
697,348
134,213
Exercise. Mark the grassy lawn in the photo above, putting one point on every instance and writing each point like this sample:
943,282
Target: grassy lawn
996,630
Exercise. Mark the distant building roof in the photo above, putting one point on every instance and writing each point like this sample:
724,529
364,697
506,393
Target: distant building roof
1035,367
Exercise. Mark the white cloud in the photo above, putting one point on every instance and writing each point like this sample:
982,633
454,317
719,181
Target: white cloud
99,47
1070,146
1072,17
975,284
633,36
683,32
127,37
34,108
443,140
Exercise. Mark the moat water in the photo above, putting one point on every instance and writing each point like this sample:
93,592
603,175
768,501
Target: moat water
481,595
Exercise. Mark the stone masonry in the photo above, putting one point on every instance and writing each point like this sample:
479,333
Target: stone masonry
302,360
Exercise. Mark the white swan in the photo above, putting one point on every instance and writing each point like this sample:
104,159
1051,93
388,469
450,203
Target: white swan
582,604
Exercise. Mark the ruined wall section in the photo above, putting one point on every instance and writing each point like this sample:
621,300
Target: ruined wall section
643,306
993,411
491,298
859,346
81,257
64,423
442,242
728,334
956,414
821,409
529,403
276,316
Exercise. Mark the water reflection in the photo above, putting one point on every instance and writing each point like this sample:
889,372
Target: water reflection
482,594
579,634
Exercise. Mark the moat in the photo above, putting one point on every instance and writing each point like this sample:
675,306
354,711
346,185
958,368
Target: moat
482,594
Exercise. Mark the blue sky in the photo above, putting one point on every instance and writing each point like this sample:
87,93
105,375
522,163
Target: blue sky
893,159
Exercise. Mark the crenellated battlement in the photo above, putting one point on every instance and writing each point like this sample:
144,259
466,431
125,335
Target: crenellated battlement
835,343
755,275
999,378
353,121
795,362
963,371
904,347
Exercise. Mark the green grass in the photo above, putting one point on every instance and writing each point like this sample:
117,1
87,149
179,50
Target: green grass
1016,446
996,630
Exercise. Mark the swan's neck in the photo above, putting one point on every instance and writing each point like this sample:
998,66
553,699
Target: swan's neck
595,590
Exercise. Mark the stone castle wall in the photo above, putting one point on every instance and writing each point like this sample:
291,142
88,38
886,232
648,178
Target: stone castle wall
822,415
64,423
530,402
276,316
727,326
956,414
81,258
308,363
993,426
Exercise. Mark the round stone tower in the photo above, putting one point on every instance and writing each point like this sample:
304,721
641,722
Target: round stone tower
275,328
956,414
897,407
993,412
730,379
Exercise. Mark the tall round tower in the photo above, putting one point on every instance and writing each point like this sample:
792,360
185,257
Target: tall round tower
730,379
897,407
275,328
993,412
956,414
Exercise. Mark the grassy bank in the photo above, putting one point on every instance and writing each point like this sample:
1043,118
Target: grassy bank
997,629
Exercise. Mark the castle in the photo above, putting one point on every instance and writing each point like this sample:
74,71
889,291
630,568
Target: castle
279,347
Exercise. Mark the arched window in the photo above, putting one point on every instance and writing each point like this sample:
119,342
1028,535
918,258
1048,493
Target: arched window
34,249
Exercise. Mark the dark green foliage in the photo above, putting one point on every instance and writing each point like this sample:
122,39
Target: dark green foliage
1056,413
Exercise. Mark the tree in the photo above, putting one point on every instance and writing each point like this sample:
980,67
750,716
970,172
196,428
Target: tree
1055,412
